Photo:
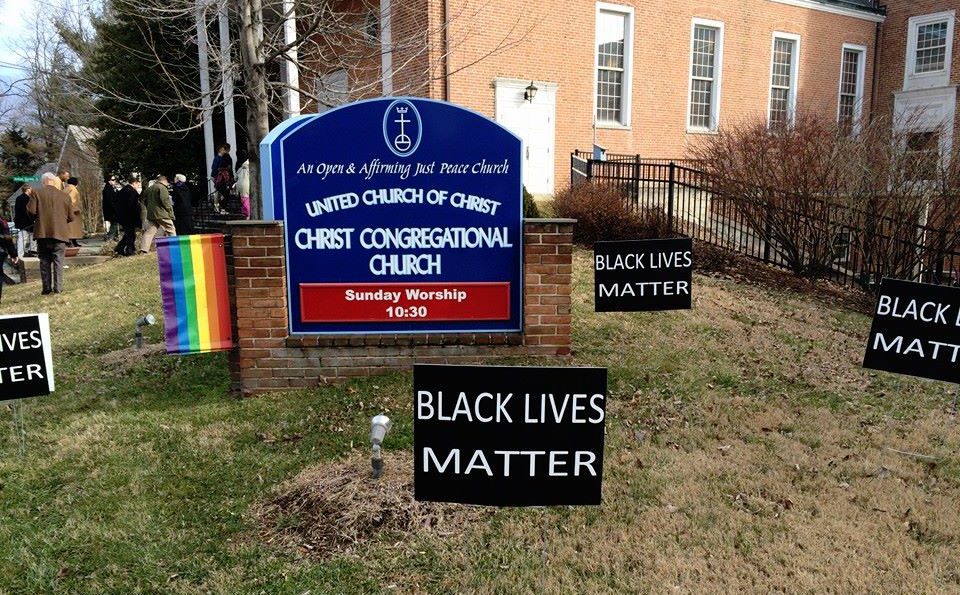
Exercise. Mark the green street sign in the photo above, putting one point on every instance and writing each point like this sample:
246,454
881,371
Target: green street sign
26,179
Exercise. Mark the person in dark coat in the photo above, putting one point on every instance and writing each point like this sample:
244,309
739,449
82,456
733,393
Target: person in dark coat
24,222
221,170
127,212
7,250
109,196
182,205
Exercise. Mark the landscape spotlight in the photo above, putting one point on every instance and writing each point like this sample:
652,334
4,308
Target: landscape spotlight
379,426
147,320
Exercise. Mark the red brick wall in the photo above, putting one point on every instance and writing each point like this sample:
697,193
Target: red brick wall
266,358
893,48
415,59
553,41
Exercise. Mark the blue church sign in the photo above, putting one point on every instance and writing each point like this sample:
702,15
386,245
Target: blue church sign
401,215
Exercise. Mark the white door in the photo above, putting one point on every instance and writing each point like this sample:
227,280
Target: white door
535,123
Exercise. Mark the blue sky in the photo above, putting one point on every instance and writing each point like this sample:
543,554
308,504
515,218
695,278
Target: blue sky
13,19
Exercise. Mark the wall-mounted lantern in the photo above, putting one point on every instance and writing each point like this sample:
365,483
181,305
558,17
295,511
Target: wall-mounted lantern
530,92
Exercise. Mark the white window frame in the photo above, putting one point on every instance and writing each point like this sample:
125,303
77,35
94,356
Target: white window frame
926,80
794,76
717,75
626,100
861,77
928,109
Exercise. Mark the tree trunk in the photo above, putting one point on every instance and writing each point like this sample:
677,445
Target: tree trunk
258,101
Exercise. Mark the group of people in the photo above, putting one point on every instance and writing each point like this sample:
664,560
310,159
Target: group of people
224,181
48,218
161,206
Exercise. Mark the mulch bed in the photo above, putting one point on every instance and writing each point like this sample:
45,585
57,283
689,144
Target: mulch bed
336,508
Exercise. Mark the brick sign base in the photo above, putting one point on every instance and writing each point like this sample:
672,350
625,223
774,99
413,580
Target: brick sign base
266,358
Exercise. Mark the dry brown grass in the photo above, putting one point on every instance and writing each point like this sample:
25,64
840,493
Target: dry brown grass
337,508
124,359
747,452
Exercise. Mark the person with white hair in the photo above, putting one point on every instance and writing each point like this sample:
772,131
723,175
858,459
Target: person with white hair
182,204
54,212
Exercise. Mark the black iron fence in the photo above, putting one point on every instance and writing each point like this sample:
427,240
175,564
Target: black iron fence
811,237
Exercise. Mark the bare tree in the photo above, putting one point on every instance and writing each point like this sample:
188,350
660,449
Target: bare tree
45,97
331,37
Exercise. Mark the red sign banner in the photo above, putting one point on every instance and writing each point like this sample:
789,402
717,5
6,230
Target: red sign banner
410,302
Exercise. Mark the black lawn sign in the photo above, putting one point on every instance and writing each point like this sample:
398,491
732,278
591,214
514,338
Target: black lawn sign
916,331
643,275
26,358
508,436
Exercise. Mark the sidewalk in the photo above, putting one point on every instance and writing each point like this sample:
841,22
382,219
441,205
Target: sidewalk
88,254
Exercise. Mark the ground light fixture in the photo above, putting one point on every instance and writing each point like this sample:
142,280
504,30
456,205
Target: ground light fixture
379,426
145,320
530,92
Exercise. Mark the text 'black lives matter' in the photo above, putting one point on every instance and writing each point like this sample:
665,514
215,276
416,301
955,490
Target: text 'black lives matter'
916,331
26,358
508,436
643,275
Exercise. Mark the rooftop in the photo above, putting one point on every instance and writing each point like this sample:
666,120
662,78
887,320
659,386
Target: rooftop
874,6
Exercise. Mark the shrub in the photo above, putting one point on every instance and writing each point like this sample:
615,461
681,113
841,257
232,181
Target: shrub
530,210
807,188
708,257
777,181
603,214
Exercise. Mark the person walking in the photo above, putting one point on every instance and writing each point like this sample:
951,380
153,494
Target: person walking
182,205
76,226
54,212
222,173
24,223
159,213
109,205
128,215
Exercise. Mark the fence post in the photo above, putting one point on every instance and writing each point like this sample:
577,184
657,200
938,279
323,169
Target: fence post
670,194
637,184
589,168
766,235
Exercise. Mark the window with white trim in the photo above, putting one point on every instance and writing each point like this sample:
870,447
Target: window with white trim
851,89
783,80
929,50
614,49
705,65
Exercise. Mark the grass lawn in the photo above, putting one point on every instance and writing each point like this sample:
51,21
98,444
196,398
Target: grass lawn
746,451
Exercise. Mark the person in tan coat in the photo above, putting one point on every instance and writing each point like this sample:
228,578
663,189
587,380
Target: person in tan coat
51,206
76,226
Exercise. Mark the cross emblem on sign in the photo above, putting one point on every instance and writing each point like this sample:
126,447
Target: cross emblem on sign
402,142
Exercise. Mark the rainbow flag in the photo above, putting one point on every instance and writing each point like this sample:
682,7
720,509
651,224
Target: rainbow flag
196,300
